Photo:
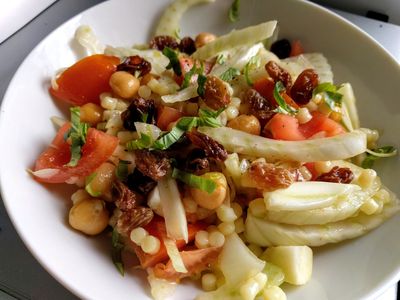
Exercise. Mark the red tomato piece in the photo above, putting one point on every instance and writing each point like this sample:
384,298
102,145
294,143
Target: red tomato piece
265,86
297,48
311,167
157,228
98,148
289,101
319,123
84,81
166,115
186,64
285,127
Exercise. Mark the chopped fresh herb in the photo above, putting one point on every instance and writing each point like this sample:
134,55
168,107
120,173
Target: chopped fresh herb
173,60
121,170
167,140
330,95
234,11
188,76
117,247
77,134
229,74
145,116
210,113
201,82
283,107
375,154
88,186
194,181
144,142
254,62
221,59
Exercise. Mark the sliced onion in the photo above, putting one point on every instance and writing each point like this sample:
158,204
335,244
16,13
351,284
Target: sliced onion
175,256
45,173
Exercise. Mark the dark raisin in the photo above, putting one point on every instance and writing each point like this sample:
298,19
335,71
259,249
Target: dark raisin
269,177
216,93
124,198
279,74
211,147
161,41
281,48
137,217
133,64
140,110
306,82
187,45
339,175
197,162
140,183
259,106
153,164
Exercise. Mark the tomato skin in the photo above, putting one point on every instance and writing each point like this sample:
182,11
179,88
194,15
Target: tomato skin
166,115
84,81
285,127
157,228
265,86
297,48
98,148
186,64
321,122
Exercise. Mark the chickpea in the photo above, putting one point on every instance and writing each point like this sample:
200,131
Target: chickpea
246,123
215,199
91,113
124,84
101,183
89,216
204,38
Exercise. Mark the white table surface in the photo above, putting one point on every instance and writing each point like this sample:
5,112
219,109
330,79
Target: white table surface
21,277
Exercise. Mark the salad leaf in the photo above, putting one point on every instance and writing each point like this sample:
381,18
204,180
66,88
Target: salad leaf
229,74
121,170
330,95
194,181
254,62
373,155
167,140
145,141
173,60
201,81
77,134
283,107
117,247
233,13
194,70
88,187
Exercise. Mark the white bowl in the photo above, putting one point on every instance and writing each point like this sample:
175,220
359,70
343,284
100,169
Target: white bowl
356,269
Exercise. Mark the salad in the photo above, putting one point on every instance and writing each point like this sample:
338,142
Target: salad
223,159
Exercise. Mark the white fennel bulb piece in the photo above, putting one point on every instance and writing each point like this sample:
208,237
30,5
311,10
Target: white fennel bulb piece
87,39
151,130
154,201
174,255
169,21
349,101
182,95
296,262
160,289
247,36
237,262
341,146
307,195
173,210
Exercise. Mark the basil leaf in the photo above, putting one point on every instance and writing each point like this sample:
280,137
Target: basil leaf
253,63
88,187
210,113
173,60
144,142
229,74
330,95
201,82
167,140
374,155
194,181
283,107
117,247
233,13
121,171
188,76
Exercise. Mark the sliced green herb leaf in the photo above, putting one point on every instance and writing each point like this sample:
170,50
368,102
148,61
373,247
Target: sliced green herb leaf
201,82
145,116
254,62
233,13
194,181
221,59
375,154
210,113
167,140
173,60
77,134
188,76
330,95
229,74
88,186
117,247
283,107
144,142
121,171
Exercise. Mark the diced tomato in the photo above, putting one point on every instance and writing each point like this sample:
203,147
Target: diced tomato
186,64
84,81
297,48
321,122
311,167
290,101
265,86
285,127
98,148
157,228
166,115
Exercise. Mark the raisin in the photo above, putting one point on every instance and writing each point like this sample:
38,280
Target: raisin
140,110
187,45
211,147
279,74
133,64
269,177
153,164
306,82
124,198
281,48
197,162
216,93
137,217
140,183
259,106
339,175
161,41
